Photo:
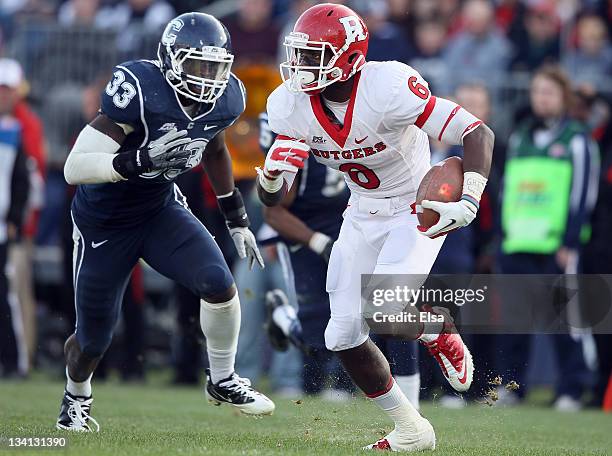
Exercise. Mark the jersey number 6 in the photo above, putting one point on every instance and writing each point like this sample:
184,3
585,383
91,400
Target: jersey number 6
361,175
121,100
417,88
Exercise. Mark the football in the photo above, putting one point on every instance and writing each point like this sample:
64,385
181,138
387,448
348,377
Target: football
443,182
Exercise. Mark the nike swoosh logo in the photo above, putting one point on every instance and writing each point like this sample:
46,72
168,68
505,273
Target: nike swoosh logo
95,245
374,213
359,141
208,127
463,379
452,222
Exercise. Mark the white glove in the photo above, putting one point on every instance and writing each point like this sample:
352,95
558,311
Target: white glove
452,216
246,245
285,155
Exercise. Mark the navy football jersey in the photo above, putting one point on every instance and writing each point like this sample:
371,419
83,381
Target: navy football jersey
322,193
138,95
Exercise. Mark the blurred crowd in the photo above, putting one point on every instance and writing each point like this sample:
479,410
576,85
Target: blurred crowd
529,68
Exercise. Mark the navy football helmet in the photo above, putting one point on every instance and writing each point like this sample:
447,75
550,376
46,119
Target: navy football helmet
196,56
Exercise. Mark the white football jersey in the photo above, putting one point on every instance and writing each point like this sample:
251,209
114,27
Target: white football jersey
382,147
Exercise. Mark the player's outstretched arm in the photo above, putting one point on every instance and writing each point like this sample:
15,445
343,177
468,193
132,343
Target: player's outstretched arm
218,165
284,159
94,158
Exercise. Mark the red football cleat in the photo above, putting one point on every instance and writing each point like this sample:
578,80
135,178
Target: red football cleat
452,355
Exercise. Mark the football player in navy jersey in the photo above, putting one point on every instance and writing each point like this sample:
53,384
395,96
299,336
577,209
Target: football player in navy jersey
157,120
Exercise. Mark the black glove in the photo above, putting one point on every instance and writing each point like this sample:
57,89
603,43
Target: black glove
165,152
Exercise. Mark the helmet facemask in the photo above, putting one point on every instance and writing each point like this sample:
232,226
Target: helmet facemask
305,69
198,74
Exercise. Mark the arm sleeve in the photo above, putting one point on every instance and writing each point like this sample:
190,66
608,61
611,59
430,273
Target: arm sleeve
413,104
585,178
20,188
91,159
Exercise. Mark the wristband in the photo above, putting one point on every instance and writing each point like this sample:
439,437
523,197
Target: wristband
473,185
268,183
233,210
318,242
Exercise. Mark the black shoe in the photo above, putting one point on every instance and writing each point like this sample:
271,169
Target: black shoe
238,392
74,414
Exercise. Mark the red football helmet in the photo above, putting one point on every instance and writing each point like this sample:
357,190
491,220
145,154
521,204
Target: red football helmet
328,44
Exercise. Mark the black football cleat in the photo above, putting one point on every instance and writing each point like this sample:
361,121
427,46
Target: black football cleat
286,317
276,336
237,391
74,414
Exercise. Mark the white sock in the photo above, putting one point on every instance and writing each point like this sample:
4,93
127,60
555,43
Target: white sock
398,407
78,388
431,331
411,387
220,324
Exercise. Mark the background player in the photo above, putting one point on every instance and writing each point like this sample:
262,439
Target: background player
158,119
370,121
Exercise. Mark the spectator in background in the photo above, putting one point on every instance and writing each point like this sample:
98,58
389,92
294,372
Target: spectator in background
591,61
254,34
538,41
479,53
509,17
136,21
430,39
388,41
550,182
399,13
33,144
79,13
14,189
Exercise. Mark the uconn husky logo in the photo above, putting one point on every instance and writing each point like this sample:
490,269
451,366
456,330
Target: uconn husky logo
175,26
354,29
196,149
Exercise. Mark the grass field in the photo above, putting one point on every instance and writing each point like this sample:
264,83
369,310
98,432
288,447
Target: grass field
159,420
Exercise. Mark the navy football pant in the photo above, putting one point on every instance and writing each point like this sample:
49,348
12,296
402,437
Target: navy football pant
173,242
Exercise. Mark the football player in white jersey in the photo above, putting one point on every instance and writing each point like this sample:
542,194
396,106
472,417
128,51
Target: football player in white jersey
371,120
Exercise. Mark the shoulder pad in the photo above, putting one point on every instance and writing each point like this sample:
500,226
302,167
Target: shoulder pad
122,98
236,96
382,82
279,107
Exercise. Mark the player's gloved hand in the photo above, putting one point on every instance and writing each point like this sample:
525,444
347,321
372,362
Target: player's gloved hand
285,155
322,245
245,243
452,216
457,214
163,153
237,221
